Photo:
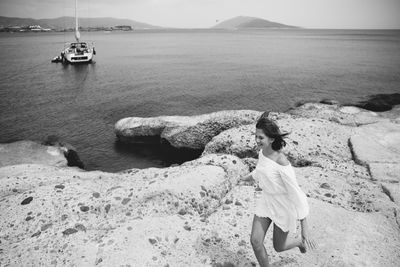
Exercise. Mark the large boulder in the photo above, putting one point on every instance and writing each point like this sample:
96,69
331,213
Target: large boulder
181,131
25,152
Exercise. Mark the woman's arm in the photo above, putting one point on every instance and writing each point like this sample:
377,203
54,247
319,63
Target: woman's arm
305,235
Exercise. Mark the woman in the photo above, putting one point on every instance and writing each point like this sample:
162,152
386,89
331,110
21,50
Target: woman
279,198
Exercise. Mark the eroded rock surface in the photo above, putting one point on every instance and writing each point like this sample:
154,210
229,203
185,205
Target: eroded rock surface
78,208
310,142
196,214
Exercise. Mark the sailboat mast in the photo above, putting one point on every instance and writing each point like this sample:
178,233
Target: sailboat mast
77,34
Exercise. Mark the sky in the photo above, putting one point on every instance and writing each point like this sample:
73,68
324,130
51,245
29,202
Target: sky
331,14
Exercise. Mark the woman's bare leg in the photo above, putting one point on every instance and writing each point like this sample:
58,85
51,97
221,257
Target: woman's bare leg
258,231
282,242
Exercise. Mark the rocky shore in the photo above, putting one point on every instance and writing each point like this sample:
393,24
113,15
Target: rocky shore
347,161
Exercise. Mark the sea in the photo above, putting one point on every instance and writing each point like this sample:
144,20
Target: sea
146,73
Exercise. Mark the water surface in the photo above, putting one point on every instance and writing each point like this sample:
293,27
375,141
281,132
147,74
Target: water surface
180,72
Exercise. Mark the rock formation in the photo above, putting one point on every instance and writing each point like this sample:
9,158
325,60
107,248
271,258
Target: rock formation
183,131
195,214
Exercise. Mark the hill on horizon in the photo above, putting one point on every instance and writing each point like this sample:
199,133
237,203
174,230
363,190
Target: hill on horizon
243,22
69,22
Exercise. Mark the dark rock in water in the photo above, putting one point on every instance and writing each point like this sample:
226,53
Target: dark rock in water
380,102
73,159
329,102
26,201
69,151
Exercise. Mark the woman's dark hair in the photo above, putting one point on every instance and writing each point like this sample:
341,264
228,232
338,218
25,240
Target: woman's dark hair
271,129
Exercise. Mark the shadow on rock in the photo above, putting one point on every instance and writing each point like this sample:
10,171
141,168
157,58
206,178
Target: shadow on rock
168,154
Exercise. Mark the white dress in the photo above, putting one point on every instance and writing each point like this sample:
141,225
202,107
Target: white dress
280,199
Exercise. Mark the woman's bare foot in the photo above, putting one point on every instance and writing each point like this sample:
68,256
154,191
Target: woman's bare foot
303,248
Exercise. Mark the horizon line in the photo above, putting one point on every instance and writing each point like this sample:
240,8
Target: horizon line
193,28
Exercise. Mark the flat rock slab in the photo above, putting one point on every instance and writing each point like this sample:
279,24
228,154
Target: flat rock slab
393,114
349,238
393,191
385,172
25,152
388,176
377,143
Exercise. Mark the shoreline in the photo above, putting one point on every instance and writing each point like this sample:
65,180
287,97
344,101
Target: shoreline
168,155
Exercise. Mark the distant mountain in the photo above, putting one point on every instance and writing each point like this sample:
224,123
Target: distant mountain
249,22
69,22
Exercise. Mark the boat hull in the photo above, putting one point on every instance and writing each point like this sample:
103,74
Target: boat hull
79,52
78,58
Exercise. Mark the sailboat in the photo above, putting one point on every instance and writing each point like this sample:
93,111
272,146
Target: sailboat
78,52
